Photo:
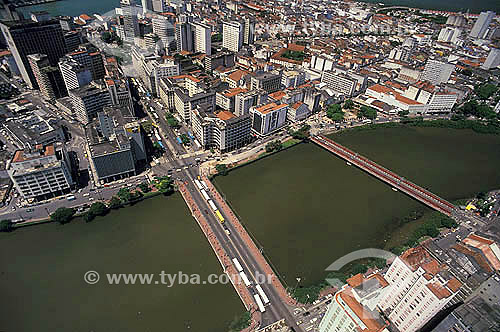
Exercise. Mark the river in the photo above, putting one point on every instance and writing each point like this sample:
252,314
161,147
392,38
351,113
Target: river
42,269
307,207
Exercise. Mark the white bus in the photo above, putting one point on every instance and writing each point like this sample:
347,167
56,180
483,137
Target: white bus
237,265
198,184
262,294
245,279
259,303
212,205
204,184
205,195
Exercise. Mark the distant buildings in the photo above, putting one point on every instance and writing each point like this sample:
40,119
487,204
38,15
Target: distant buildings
232,36
88,101
493,59
266,81
28,37
41,173
437,72
480,28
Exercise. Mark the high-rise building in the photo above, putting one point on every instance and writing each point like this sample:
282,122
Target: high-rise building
437,72
147,6
341,84
88,56
28,37
202,38
268,118
130,20
48,77
41,173
159,6
75,74
73,39
184,37
493,59
88,101
266,81
249,31
480,28
164,29
232,36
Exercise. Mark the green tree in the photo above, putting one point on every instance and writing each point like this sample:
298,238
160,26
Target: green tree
165,185
359,268
144,186
337,117
185,139
273,146
62,215
240,322
368,112
96,209
403,113
124,195
115,203
306,294
348,104
485,91
6,226
221,169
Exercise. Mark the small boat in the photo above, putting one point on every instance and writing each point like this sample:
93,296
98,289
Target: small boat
349,164
394,189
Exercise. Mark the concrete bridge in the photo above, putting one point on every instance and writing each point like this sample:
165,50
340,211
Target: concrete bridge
394,180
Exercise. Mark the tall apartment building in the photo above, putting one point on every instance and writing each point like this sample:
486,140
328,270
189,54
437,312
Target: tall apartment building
248,31
41,173
222,131
184,36
482,24
28,37
232,36
268,118
202,38
449,35
75,74
130,20
419,288
401,53
244,101
164,29
88,101
90,57
341,84
151,68
48,78
353,308
147,6
266,81
73,39
437,72
493,59
115,144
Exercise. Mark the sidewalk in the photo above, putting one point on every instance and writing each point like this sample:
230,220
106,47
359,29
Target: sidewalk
251,245
223,258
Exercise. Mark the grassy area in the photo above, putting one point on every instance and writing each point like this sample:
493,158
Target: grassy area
290,142
294,55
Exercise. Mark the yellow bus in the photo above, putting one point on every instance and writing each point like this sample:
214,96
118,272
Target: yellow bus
219,215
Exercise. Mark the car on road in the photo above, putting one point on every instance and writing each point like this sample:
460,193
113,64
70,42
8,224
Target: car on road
13,208
86,194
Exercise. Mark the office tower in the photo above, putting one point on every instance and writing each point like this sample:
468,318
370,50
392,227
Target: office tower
130,20
73,39
164,29
28,37
48,77
159,6
437,72
232,36
41,173
493,59
66,23
75,75
249,31
147,6
184,37
202,38
88,101
480,28
91,58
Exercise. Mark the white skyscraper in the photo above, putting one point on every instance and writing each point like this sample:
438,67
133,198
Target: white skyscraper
437,72
232,36
481,26
493,59
164,29
202,38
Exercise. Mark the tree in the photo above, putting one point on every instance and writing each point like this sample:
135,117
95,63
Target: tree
124,195
302,133
485,91
6,226
115,203
185,139
165,185
221,169
240,322
337,117
96,209
348,104
359,268
62,215
368,112
403,113
144,186
273,146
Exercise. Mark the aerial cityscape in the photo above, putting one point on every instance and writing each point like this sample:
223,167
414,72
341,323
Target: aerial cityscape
248,165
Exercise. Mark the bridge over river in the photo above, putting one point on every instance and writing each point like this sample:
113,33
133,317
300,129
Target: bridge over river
394,180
